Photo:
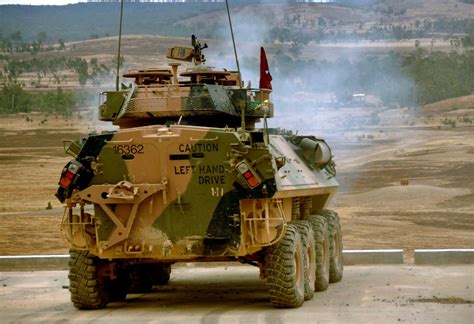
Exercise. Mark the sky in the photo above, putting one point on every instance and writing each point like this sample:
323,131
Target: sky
40,2
56,2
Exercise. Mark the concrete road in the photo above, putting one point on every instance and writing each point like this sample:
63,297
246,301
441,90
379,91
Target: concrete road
234,294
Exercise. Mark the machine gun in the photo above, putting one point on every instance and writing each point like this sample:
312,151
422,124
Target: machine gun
188,54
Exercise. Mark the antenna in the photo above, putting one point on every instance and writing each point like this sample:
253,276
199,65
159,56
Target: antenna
117,77
241,103
233,42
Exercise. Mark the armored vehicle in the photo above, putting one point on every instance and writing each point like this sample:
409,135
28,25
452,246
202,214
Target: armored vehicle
187,177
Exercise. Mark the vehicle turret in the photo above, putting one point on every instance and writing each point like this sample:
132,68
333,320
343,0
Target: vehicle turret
199,96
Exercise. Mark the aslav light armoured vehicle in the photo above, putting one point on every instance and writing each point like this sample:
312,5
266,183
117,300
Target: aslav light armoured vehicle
188,178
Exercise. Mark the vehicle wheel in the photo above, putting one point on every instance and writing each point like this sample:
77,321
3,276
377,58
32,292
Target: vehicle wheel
321,237
336,261
284,267
87,289
160,273
309,252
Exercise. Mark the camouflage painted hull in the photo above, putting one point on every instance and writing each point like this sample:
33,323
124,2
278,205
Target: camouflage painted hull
187,192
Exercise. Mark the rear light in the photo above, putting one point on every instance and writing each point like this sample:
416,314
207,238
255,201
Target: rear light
253,182
250,177
66,179
74,176
70,173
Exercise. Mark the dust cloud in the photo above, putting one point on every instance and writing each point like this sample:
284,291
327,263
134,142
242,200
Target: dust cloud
308,87
350,99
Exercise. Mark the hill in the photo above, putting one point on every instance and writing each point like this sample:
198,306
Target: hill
93,20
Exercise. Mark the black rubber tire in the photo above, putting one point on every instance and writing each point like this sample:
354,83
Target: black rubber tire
309,251
336,261
86,288
284,268
321,237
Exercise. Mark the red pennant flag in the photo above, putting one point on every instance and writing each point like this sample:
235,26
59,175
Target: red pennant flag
265,76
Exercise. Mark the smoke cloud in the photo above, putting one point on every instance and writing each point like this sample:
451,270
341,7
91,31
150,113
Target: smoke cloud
341,93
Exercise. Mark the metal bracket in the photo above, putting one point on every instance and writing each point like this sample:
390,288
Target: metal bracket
132,194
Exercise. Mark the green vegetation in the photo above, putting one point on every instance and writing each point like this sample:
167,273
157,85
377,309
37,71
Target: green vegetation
14,67
467,120
440,76
449,122
318,32
13,99
15,43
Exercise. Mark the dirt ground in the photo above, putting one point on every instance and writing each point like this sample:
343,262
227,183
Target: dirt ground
436,209
31,159
234,294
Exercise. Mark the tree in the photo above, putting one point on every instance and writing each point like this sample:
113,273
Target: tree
467,42
16,40
62,46
13,99
42,37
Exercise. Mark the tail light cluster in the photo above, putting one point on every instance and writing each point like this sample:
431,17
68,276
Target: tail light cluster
75,175
70,174
248,175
